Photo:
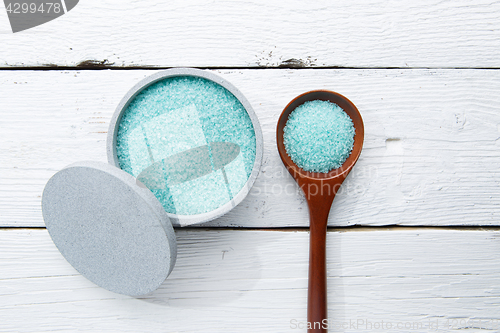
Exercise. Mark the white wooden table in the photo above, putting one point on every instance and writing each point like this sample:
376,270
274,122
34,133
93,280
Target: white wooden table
414,243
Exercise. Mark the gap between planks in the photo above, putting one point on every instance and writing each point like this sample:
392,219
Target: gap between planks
355,228
99,66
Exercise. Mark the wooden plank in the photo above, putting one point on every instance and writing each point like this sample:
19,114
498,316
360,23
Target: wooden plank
200,33
430,155
237,281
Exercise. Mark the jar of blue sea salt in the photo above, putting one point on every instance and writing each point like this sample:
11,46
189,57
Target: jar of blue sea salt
184,146
190,137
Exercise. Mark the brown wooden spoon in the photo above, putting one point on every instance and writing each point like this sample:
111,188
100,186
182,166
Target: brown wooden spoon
319,190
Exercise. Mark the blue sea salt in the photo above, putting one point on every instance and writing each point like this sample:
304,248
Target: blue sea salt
190,141
318,136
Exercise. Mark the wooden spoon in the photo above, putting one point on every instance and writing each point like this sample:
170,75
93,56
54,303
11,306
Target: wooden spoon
319,190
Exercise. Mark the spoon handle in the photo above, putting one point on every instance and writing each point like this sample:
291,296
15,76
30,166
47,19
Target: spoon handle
317,309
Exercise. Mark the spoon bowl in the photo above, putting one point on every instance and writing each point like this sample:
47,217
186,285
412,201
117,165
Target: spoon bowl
320,190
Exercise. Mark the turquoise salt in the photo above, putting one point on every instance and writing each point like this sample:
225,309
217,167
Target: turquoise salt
318,136
190,141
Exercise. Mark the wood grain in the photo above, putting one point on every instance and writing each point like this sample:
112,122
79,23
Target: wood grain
258,33
430,156
241,281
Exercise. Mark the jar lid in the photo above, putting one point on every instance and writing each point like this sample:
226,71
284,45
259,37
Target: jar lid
109,227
